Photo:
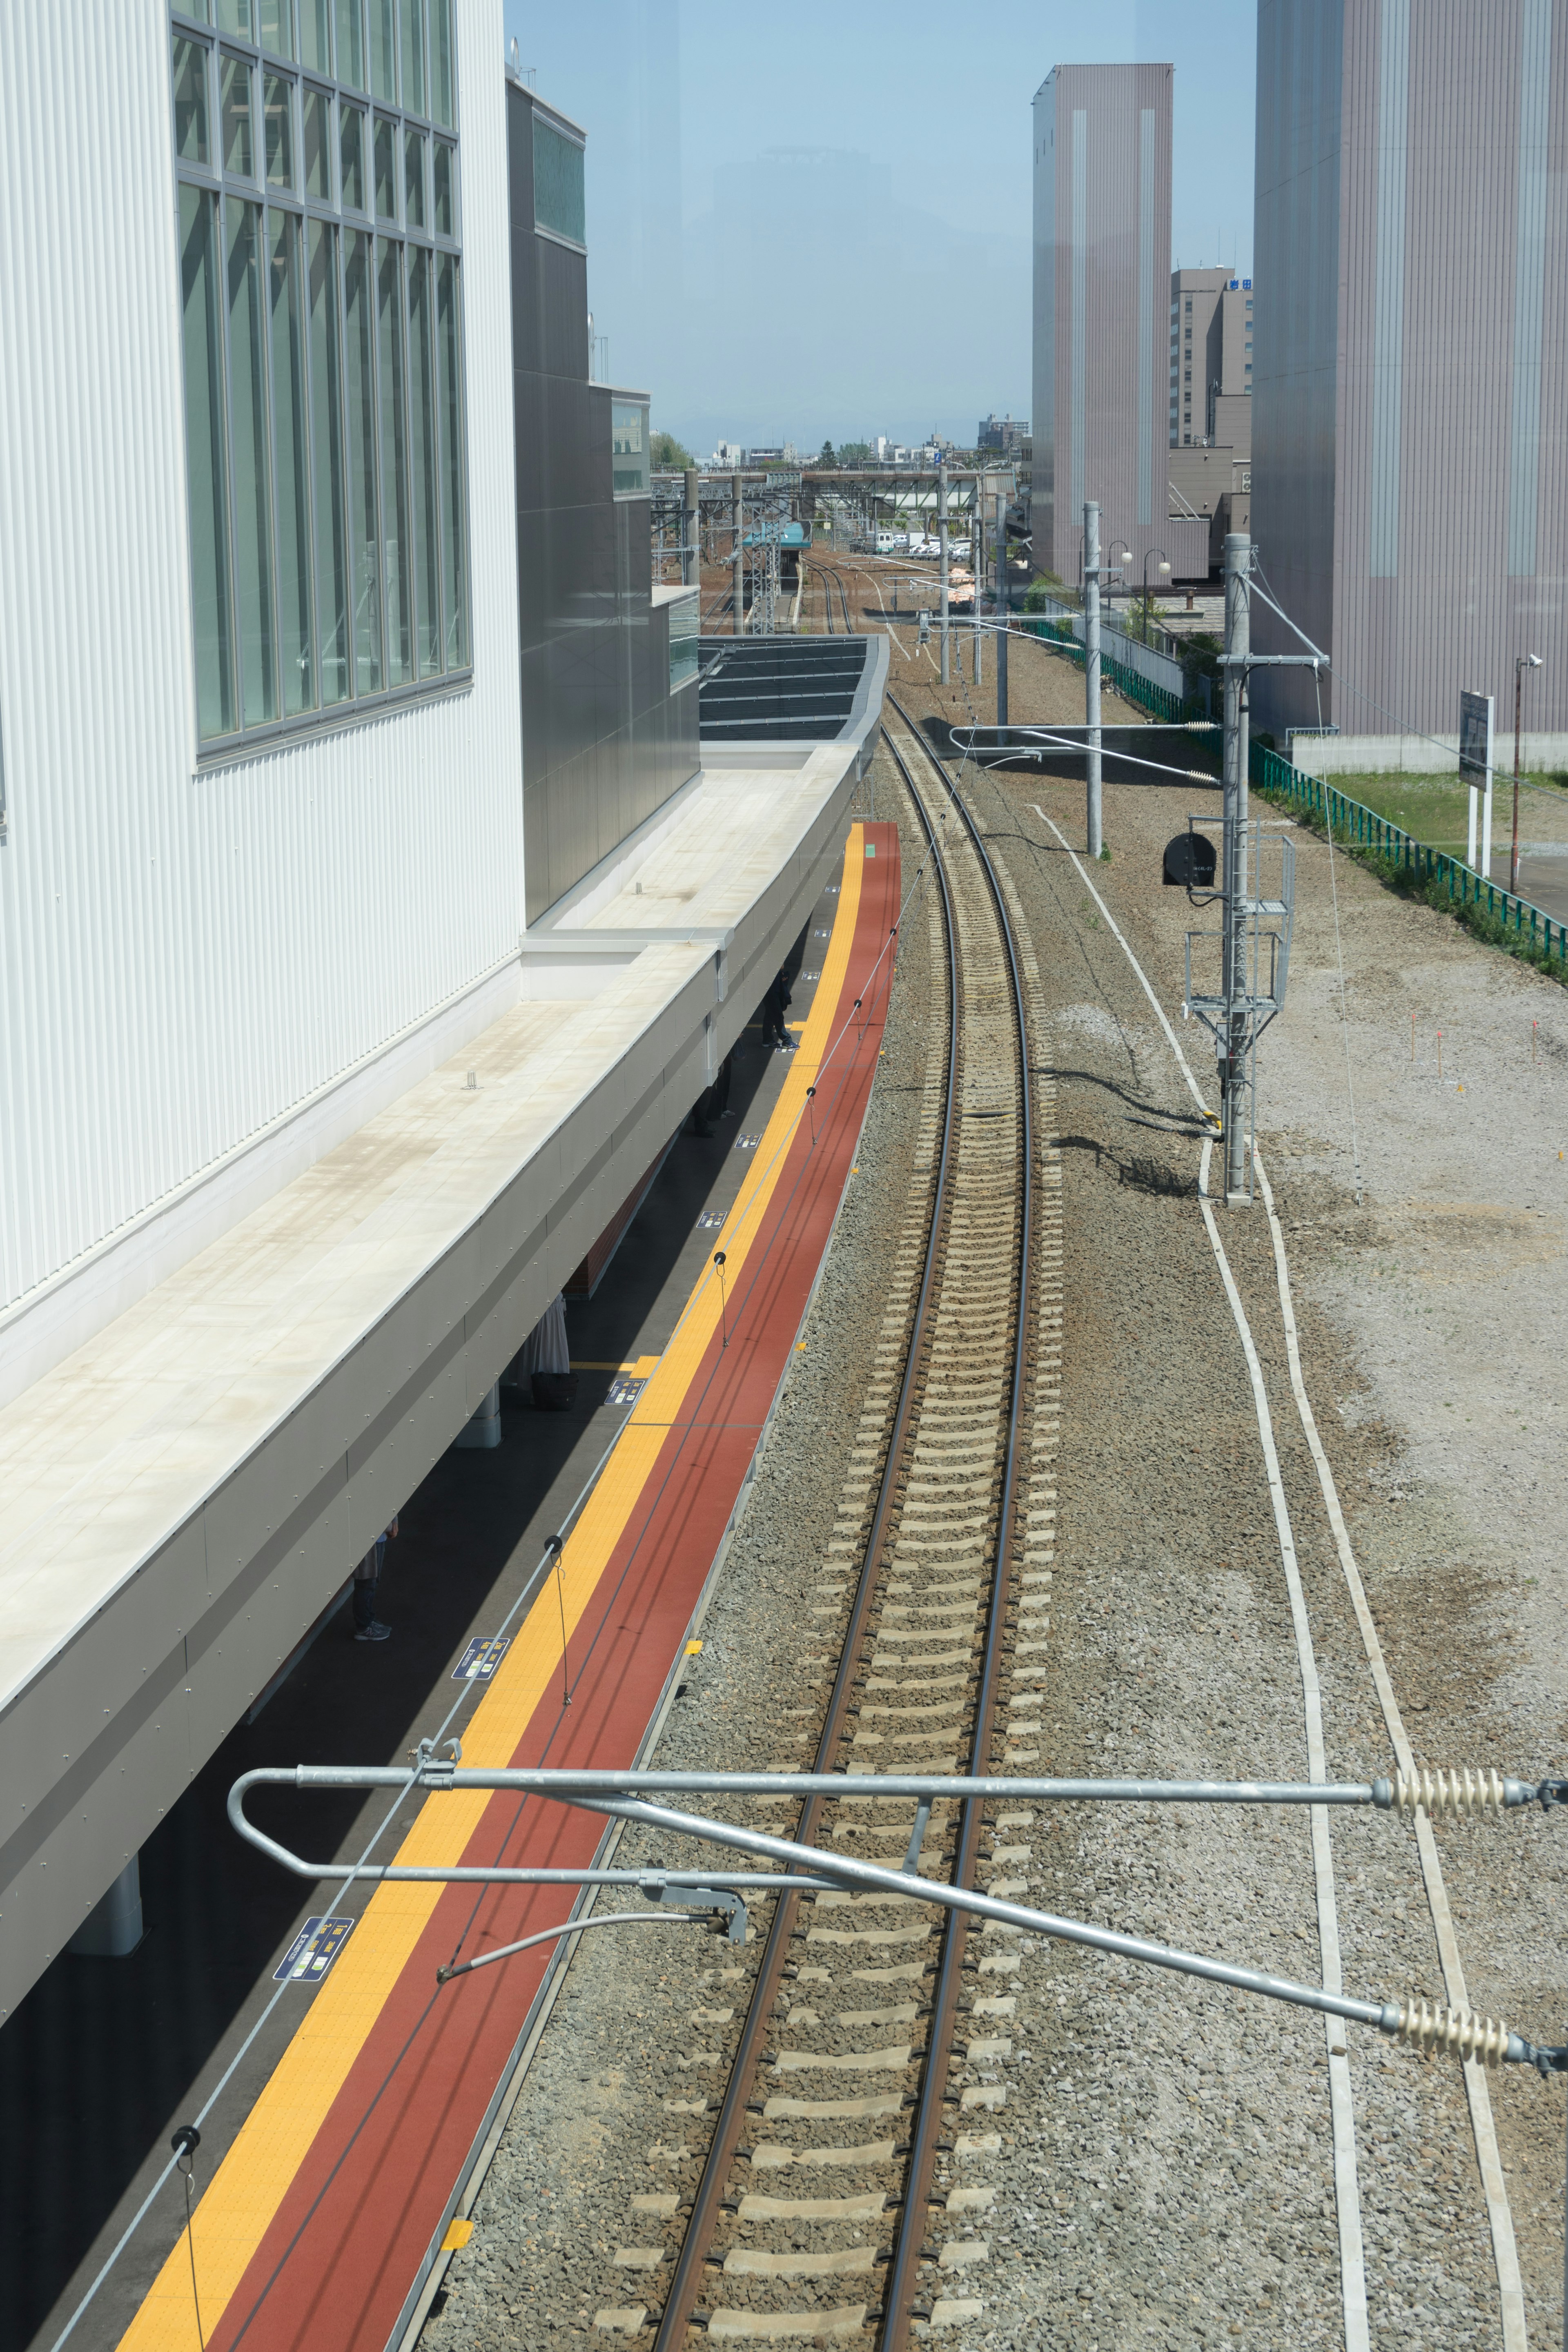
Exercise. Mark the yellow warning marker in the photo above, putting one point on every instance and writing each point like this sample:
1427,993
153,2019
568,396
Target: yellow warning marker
693,1649
458,2233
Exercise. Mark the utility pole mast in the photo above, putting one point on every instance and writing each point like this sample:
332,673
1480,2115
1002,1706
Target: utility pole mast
1003,610
942,558
737,570
977,565
1091,671
690,550
1233,950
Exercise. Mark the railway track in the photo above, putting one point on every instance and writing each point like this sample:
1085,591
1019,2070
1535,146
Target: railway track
853,2145
831,581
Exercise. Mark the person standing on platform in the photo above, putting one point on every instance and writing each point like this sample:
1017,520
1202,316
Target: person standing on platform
368,1626
774,1005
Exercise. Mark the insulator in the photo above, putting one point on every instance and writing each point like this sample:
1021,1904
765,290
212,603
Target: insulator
1455,2032
1445,1796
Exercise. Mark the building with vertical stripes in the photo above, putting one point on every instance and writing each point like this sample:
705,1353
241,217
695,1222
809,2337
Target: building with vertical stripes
1101,281
1410,404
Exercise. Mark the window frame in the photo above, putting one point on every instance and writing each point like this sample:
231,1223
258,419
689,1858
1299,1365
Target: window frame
219,188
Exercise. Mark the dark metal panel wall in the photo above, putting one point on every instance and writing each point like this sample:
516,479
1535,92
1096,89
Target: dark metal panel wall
601,749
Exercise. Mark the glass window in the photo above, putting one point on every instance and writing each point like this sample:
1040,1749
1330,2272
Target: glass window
316,35
557,182
326,463
234,101
191,133
629,445
422,446
445,184
393,467
359,401
278,26
453,463
315,109
683,629
290,465
248,450
386,170
383,54
327,442
412,14
277,116
441,75
205,471
352,143
350,45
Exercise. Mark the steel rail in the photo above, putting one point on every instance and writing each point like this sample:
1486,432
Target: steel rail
688,2278
901,2281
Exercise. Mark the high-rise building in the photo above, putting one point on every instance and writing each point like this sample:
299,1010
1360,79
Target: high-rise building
1004,433
1102,260
1211,357
1410,411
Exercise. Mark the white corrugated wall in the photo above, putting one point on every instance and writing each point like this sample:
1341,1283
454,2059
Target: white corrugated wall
183,956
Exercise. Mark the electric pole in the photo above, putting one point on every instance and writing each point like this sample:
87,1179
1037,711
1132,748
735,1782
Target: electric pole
690,550
737,561
942,559
1234,974
1091,671
1002,608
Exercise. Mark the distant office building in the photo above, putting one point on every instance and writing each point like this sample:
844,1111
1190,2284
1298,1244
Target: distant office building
1002,432
1102,260
1211,357
1410,425
728,458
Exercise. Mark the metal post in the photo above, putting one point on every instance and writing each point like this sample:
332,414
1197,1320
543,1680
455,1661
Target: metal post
690,552
942,559
1091,671
736,562
1002,609
1234,981
977,565
1513,855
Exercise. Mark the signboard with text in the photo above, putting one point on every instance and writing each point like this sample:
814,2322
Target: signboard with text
1475,712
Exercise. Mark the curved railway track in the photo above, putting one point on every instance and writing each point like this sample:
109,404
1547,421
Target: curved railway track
831,581
881,2012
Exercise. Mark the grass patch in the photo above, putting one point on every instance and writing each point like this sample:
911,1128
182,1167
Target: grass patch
1406,882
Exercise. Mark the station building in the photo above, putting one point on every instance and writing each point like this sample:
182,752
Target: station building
374,904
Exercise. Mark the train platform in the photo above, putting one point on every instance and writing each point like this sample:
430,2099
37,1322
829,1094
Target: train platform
330,2204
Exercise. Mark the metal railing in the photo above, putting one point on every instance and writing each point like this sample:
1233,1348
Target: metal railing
1162,701
1362,828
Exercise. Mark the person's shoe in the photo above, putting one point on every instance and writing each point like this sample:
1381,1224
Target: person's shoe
701,1126
374,1631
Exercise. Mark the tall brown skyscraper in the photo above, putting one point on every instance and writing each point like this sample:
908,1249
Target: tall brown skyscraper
1102,275
1410,385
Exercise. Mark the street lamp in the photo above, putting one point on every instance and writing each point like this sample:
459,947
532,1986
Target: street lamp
1521,662
1165,568
1114,564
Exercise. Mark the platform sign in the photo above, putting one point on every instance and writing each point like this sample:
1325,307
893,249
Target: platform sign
711,1220
313,1951
1476,719
626,1392
747,1143
480,1659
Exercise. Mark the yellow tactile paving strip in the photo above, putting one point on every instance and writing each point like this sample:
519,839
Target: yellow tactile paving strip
238,2208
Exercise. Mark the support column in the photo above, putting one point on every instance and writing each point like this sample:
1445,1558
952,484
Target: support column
113,1928
1091,671
483,1430
737,560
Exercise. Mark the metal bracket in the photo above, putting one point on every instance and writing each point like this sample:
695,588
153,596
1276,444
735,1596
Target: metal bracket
1553,1793
700,1899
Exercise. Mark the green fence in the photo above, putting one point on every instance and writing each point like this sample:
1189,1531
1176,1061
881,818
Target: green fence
1129,683
1362,828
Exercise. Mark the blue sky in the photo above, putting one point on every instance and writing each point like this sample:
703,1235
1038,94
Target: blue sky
812,220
